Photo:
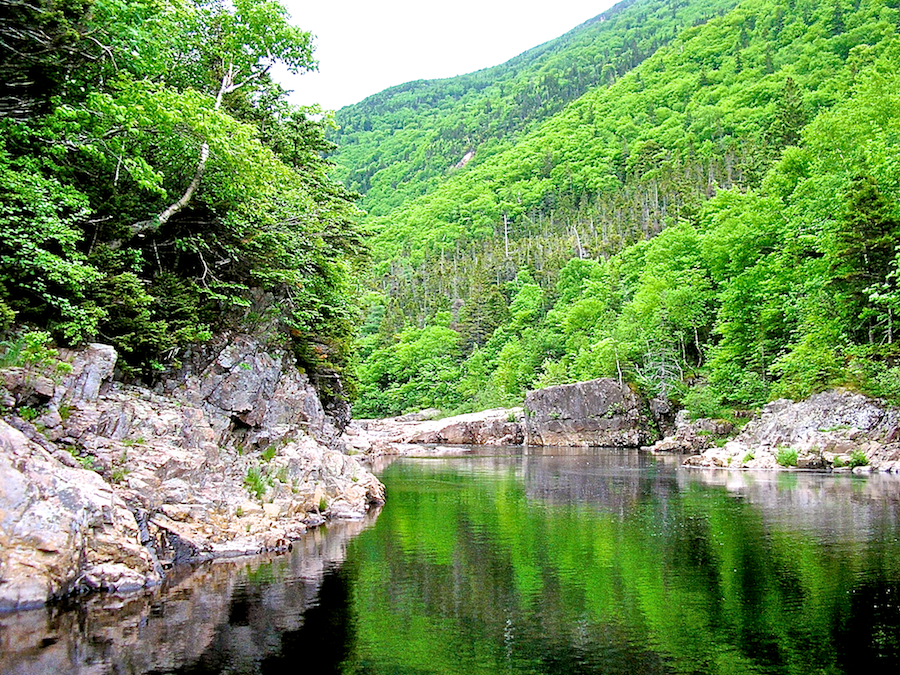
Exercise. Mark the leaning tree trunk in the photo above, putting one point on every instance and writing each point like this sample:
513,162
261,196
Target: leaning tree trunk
226,86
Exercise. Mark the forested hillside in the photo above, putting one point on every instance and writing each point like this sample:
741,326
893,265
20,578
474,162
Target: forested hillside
404,141
156,186
718,225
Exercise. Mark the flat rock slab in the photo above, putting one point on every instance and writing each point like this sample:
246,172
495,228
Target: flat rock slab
406,433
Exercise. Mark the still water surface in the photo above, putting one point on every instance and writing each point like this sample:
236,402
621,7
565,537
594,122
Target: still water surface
563,561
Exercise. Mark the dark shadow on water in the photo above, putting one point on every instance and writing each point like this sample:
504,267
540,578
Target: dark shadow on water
259,615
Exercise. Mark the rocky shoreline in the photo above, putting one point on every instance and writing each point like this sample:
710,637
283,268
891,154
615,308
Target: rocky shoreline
595,413
104,486
838,431
834,430
128,634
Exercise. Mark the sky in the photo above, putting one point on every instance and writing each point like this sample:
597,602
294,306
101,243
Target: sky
364,46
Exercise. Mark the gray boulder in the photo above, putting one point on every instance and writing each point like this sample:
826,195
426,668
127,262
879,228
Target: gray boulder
62,530
693,437
253,392
595,413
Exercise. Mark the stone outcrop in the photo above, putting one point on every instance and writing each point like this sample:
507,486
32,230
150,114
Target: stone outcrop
595,413
407,433
692,437
836,430
62,528
111,484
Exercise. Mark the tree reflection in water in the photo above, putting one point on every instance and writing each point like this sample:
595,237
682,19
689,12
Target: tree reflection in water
542,561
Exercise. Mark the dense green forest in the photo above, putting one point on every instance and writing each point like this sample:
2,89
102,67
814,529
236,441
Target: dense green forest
717,225
156,186
699,197
404,141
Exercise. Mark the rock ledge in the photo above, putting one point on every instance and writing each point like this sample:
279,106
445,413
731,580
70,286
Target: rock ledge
112,484
835,430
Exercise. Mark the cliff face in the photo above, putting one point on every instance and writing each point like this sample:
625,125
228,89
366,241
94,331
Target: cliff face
595,413
111,484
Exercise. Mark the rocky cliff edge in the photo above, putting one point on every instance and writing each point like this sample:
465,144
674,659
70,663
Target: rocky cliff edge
103,486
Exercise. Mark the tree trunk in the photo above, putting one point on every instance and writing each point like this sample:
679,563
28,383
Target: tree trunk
226,86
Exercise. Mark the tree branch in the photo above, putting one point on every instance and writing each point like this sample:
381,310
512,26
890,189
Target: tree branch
158,221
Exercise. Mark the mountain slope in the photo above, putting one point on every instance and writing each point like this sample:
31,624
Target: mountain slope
405,140
711,111
688,223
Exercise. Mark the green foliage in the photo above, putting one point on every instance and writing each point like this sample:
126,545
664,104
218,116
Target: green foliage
255,481
786,457
701,219
27,413
39,253
703,400
30,350
404,141
119,471
167,184
86,461
858,458
419,371
880,379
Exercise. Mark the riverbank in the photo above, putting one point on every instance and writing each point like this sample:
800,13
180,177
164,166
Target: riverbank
837,430
832,431
104,486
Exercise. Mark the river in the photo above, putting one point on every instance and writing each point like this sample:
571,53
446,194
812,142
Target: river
535,561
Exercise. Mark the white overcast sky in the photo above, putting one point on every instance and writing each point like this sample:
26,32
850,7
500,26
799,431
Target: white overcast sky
364,46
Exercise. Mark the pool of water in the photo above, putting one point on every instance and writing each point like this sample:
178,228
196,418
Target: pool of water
534,561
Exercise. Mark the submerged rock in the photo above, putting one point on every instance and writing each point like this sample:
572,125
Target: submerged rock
595,413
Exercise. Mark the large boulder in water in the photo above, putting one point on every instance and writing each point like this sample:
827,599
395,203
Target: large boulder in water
595,413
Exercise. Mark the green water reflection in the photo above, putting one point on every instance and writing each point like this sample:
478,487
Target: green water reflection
565,562
606,562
